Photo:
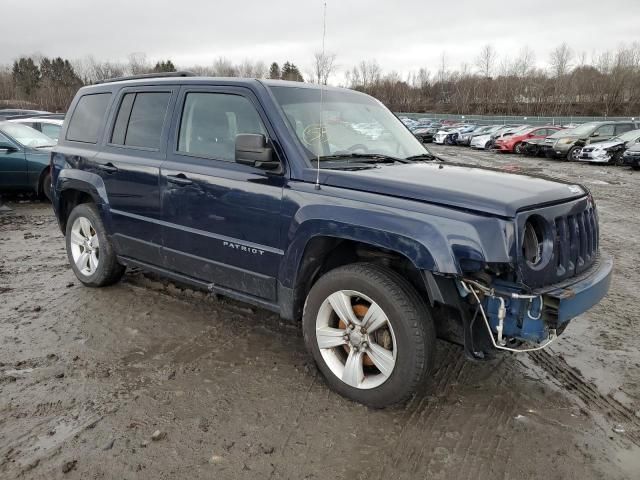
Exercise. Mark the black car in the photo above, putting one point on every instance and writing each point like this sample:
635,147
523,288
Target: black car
631,156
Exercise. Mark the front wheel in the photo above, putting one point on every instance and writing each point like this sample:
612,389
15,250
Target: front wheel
574,154
370,333
89,250
45,187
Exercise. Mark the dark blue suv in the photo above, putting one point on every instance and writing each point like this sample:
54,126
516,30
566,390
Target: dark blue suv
320,205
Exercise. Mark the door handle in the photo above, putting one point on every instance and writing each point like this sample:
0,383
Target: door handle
179,179
108,167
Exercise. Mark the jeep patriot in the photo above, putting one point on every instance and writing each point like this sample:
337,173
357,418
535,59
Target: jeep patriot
319,204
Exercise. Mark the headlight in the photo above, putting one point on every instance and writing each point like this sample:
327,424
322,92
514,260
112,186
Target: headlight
564,141
536,250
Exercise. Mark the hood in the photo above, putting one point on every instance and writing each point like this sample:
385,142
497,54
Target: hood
605,145
482,138
471,188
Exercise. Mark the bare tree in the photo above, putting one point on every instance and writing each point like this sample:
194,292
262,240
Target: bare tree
138,63
560,60
324,64
486,61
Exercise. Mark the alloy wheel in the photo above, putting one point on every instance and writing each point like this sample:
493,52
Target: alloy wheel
356,339
85,246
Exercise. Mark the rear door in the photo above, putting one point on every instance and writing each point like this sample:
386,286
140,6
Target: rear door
603,133
222,219
13,165
129,164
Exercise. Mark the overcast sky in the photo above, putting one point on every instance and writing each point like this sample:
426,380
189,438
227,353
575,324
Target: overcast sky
402,35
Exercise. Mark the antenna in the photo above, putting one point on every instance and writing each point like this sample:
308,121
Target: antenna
324,34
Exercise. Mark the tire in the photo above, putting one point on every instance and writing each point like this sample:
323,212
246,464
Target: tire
572,155
45,185
517,148
635,167
98,260
409,332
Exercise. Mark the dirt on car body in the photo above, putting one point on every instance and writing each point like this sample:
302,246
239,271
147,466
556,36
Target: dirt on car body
148,379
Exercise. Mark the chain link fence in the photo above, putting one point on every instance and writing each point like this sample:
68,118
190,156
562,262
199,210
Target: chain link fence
520,120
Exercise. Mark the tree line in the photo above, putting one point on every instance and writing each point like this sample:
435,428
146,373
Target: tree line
568,83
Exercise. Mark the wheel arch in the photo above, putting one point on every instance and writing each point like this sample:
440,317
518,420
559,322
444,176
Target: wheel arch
73,187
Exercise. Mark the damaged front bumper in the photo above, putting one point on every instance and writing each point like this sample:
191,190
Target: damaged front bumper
524,321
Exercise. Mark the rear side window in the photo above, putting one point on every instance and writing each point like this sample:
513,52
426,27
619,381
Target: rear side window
140,119
50,130
211,121
625,127
87,118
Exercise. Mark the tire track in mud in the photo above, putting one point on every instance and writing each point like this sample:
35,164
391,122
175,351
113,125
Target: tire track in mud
574,383
422,414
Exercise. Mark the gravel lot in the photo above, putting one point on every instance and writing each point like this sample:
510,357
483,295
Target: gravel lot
88,376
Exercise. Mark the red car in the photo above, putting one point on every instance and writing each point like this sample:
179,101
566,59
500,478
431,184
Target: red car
513,143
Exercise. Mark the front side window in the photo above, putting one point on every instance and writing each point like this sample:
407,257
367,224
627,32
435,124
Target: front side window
140,119
87,118
211,121
606,130
344,122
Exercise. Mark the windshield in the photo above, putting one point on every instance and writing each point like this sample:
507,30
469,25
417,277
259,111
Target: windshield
627,137
26,136
351,123
584,129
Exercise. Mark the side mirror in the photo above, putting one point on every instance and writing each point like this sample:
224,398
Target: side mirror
595,134
6,147
252,149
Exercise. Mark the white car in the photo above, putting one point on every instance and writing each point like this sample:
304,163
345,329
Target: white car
481,142
607,151
49,126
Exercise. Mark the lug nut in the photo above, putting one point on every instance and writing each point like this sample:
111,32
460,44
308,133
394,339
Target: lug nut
364,345
351,327
363,330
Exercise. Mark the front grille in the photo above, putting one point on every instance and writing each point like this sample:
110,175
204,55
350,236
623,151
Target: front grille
576,242
571,233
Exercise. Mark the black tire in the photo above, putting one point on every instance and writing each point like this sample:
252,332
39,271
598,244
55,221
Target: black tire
573,153
517,148
635,167
108,270
409,316
45,185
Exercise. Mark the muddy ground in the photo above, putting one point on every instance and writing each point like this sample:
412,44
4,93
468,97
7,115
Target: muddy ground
88,375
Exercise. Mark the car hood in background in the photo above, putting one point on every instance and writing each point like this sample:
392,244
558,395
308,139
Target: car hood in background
474,188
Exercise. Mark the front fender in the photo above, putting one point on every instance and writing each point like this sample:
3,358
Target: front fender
436,241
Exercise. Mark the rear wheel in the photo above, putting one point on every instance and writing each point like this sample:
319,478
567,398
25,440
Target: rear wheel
370,333
517,148
89,250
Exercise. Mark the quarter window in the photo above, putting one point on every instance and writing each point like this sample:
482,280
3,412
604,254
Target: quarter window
140,119
88,117
211,121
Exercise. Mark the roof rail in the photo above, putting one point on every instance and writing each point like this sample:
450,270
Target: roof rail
183,73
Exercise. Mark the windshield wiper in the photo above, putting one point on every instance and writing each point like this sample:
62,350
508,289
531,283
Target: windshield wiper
365,157
424,156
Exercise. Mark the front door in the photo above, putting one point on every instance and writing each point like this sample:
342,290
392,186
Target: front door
13,165
222,219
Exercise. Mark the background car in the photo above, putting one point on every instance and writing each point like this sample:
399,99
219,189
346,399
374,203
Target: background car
49,126
568,146
610,151
24,159
10,112
631,156
513,142
464,139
